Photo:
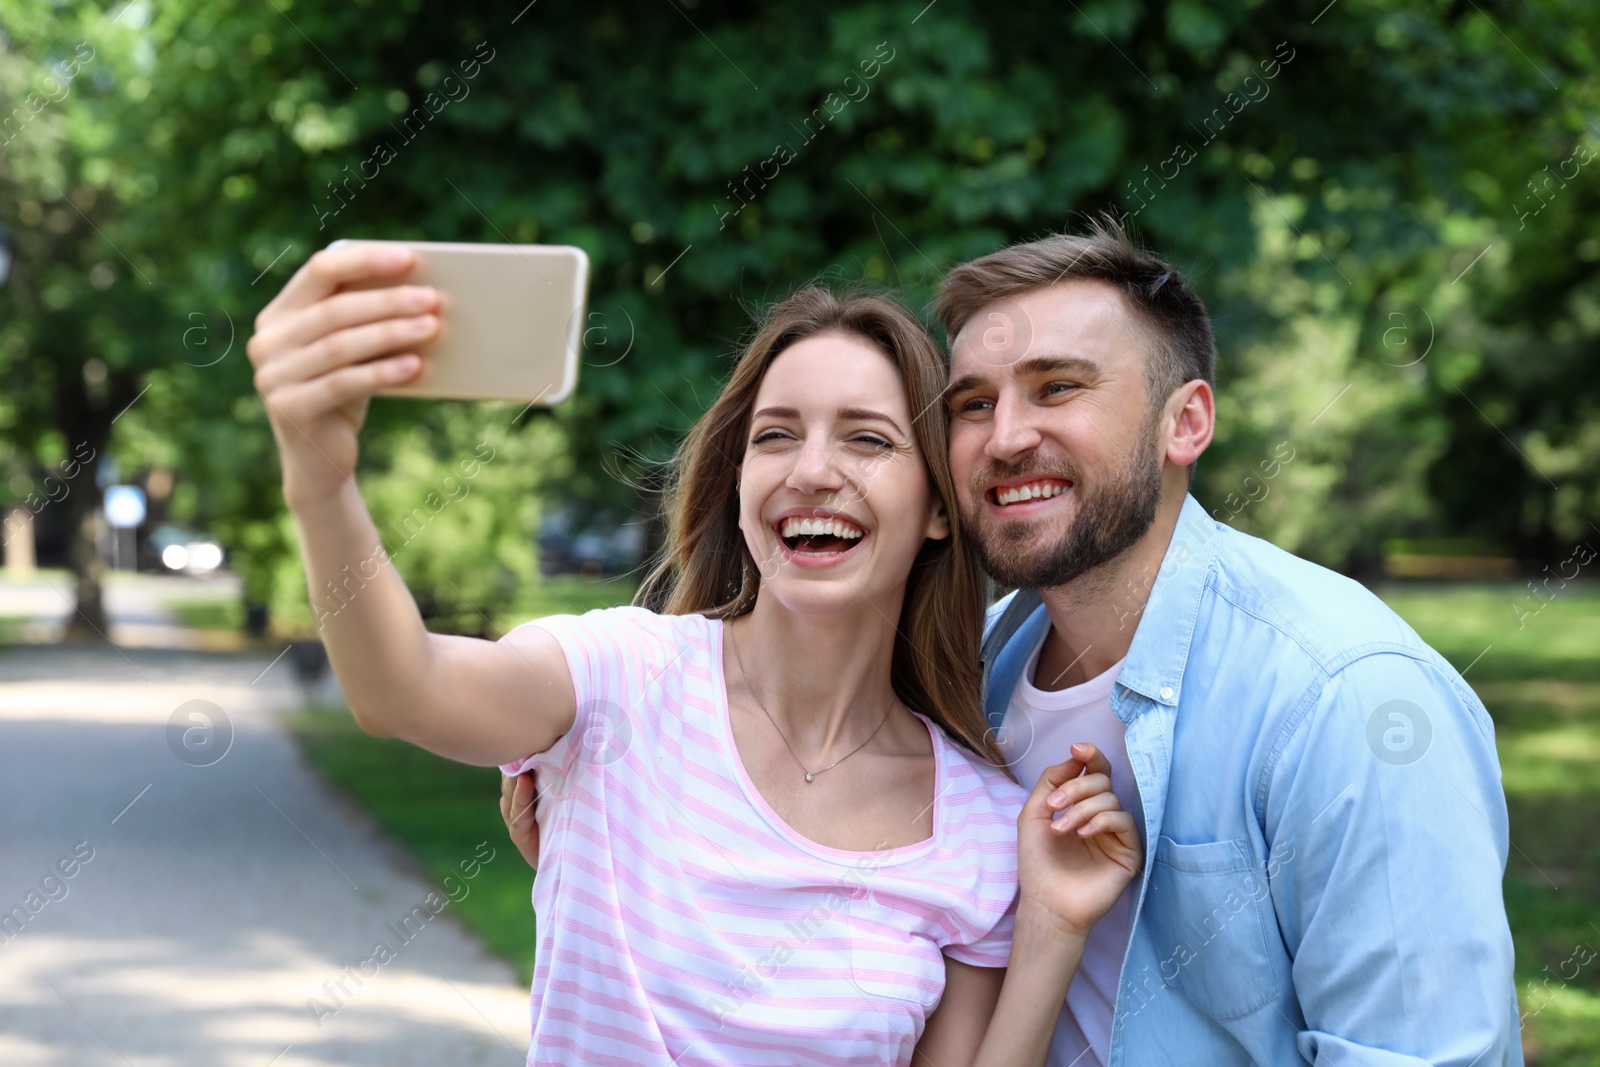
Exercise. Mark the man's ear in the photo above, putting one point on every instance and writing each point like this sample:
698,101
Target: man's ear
938,522
1192,418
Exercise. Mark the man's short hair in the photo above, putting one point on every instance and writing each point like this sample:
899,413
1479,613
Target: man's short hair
1164,305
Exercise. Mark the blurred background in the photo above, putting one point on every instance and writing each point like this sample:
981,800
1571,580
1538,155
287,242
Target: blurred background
1392,209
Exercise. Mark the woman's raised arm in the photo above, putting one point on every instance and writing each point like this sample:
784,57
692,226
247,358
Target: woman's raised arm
320,353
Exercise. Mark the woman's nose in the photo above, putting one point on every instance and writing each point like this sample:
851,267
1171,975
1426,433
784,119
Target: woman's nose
815,469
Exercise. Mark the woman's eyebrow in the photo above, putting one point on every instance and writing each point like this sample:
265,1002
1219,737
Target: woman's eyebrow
850,414
867,415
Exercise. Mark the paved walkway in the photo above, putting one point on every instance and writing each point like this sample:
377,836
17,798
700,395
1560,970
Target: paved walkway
39,607
208,904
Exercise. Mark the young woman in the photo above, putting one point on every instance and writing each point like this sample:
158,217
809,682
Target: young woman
774,830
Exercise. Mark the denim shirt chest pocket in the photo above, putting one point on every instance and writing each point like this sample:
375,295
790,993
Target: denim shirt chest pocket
1210,919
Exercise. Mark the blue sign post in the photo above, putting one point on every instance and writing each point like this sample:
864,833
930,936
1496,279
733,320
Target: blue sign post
124,510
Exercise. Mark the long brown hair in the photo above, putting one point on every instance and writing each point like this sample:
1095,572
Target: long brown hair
706,567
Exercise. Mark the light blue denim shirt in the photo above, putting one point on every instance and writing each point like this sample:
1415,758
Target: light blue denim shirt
1324,827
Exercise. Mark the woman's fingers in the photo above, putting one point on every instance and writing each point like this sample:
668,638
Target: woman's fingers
305,326
1119,823
342,348
1094,761
1078,789
1085,810
305,402
1116,836
321,276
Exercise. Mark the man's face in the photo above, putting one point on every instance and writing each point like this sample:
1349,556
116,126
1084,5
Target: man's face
1055,448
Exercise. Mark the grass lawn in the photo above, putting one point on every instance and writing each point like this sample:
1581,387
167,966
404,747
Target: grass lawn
1540,681
1539,676
211,613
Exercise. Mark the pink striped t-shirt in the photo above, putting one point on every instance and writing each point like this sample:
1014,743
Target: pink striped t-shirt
682,922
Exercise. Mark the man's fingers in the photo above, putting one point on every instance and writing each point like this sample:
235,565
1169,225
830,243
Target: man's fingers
323,274
522,799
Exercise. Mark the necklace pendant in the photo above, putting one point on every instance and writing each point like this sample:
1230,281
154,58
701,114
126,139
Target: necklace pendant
809,776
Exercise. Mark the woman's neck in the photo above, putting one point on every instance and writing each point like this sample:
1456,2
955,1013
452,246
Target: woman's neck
824,680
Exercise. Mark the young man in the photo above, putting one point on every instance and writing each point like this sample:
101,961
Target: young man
1318,789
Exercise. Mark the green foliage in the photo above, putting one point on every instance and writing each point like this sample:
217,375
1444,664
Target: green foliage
1344,168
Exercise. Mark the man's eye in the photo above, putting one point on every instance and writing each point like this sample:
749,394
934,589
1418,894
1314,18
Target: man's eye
1057,388
973,405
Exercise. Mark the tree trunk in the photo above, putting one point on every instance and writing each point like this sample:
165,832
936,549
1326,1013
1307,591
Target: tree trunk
86,419
88,569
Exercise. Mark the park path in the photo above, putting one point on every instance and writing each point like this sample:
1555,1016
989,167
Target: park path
216,900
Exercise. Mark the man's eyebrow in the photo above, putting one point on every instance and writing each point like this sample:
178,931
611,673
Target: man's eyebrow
1026,368
1055,365
965,383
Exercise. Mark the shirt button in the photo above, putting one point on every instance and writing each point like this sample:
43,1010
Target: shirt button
1166,692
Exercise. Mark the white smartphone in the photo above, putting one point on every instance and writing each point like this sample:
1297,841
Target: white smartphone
510,321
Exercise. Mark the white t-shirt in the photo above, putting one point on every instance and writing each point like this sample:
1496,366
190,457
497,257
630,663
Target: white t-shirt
1038,731
682,922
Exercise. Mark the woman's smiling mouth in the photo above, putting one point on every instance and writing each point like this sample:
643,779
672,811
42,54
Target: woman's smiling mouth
818,538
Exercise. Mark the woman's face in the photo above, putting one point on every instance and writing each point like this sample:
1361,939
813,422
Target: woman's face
834,497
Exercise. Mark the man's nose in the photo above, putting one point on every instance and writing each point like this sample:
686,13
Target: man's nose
1013,432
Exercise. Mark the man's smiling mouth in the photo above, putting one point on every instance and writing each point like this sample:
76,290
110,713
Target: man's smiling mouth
1037,489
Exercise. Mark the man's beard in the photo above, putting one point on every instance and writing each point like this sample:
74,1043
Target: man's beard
1112,515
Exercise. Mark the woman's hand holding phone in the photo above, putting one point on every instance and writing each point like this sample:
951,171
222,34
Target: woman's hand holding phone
320,353
321,349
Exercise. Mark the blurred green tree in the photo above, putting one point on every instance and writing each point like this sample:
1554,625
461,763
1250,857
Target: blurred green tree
1348,182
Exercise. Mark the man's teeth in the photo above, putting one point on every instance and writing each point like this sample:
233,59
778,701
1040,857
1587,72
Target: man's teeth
1032,491
802,527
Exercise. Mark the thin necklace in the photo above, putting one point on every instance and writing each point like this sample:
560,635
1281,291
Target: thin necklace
810,775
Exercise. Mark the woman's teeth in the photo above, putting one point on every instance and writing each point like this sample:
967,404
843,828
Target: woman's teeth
819,527
1016,494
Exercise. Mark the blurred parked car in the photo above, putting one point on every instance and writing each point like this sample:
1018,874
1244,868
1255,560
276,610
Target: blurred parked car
184,551
604,544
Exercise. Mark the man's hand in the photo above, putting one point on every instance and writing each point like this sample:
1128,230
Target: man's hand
517,797
1073,866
